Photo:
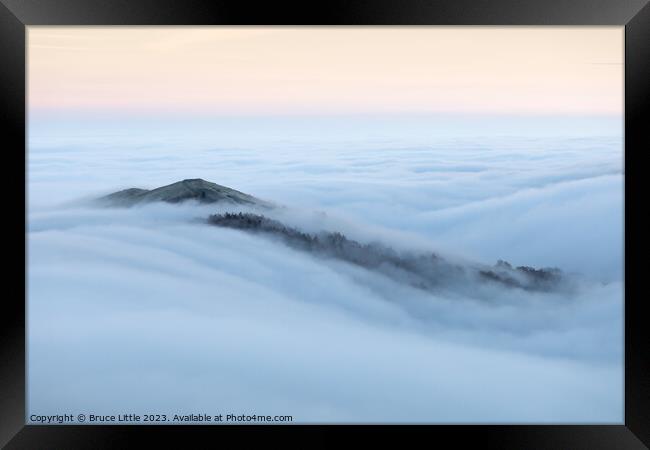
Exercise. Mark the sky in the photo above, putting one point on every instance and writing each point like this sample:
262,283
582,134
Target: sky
477,144
326,70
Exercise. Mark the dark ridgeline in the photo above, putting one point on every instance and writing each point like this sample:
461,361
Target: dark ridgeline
426,271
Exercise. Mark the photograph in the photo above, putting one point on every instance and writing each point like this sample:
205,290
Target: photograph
288,225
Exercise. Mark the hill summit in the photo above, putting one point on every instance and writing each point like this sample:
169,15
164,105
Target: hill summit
189,189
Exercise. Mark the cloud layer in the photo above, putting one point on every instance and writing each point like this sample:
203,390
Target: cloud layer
145,310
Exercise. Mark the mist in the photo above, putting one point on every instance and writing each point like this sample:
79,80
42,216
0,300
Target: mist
151,310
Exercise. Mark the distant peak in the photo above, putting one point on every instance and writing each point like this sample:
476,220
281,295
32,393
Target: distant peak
187,189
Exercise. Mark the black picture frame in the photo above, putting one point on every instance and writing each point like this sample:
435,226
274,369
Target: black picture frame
16,15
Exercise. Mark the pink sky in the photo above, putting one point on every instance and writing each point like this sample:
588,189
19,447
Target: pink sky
326,70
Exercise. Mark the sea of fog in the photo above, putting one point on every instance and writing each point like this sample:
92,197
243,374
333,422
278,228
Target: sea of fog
144,310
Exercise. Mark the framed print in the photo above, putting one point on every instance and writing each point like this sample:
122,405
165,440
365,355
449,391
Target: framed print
401,220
